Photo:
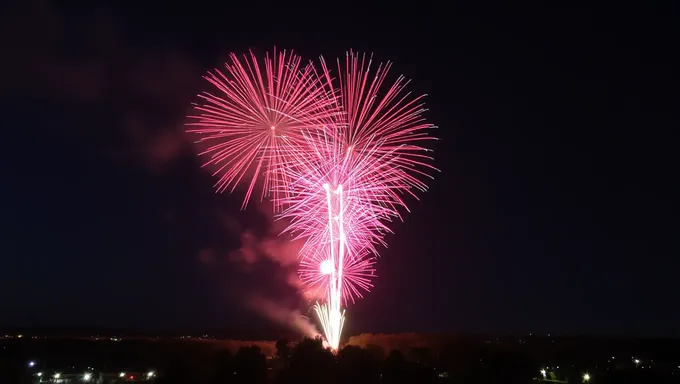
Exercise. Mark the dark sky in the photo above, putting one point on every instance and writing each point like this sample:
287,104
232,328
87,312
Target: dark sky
555,209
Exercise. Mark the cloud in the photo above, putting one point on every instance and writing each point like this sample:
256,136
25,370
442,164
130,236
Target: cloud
127,98
86,62
287,316
206,256
279,250
153,145
249,253
272,245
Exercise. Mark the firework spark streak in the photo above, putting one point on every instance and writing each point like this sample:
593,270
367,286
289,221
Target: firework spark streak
338,154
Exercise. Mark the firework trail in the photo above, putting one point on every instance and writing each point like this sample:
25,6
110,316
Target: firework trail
350,150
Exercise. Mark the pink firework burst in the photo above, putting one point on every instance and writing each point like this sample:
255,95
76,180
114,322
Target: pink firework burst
382,118
348,174
359,270
256,105
339,156
371,147
368,193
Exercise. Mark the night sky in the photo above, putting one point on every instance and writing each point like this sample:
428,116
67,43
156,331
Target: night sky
555,210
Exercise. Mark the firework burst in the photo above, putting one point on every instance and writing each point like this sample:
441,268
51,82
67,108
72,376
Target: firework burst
349,174
359,270
254,106
338,156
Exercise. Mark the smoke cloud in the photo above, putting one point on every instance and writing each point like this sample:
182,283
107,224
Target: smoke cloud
281,252
274,248
282,315
143,89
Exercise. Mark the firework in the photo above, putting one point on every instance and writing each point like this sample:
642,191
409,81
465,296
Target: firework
367,186
338,156
349,174
358,272
254,106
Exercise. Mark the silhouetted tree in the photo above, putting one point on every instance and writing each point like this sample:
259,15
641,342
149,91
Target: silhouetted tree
310,362
250,365
177,371
394,369
13,369
224,367
357,365
283,350
398,370
508,366
422,356
377,352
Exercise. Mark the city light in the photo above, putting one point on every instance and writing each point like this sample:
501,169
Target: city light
543,373
57,375
87,376
293,129
150,374
586,377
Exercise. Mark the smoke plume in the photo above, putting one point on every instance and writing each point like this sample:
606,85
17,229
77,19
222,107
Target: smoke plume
282,315
281,252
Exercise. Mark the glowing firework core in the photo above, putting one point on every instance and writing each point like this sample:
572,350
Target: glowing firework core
327,267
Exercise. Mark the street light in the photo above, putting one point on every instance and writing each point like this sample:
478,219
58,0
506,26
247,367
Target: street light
586,377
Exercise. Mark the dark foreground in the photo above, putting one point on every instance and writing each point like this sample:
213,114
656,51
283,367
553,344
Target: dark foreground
407,358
